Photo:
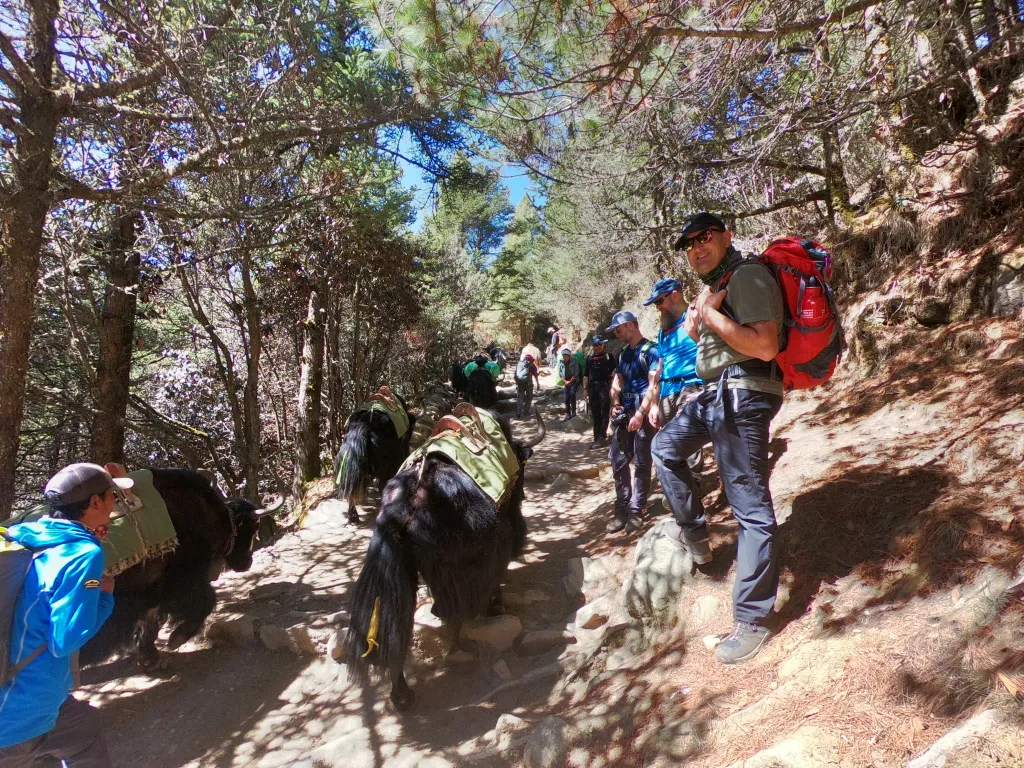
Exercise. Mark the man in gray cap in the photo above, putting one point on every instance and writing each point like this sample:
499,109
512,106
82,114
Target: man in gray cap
63,602
737,322
631,402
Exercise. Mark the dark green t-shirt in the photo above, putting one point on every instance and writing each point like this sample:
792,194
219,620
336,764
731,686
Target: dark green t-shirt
753,296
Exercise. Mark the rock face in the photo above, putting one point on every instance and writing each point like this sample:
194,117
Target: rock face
494,634
662,567
546,747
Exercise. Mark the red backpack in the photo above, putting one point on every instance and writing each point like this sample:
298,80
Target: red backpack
813,342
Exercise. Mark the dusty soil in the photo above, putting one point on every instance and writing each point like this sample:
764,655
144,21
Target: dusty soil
898,495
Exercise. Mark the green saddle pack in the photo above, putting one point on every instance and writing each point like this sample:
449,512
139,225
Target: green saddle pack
473,439
143,530
385,402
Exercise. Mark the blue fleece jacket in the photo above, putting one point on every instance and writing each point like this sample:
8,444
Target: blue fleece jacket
61,605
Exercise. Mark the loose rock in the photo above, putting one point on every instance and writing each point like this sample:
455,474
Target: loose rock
543,640
506,728
231,632
501,669
495,633
546,747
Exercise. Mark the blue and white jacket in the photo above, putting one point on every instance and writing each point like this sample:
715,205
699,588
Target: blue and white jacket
61,605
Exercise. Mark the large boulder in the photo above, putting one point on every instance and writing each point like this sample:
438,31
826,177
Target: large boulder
661,569
592,577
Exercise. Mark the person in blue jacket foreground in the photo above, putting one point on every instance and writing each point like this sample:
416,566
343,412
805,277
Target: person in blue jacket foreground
64,601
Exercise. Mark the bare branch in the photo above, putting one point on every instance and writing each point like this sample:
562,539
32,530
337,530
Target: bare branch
753,33
114,88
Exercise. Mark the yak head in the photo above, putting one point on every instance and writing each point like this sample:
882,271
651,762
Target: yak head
246,518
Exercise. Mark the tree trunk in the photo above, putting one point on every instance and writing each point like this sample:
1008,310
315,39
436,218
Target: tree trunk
21,235
251,395
116,341
311,378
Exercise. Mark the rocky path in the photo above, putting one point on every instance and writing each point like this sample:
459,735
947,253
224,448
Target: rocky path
898,621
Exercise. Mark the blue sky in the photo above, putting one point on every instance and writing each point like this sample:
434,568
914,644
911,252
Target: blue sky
514,176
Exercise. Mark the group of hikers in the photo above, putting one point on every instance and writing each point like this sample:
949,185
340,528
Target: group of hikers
709,377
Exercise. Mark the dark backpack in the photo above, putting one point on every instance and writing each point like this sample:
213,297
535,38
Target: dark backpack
15,560
523,370
813,342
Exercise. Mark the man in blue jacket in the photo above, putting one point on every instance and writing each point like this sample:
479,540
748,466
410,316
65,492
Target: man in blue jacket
64,601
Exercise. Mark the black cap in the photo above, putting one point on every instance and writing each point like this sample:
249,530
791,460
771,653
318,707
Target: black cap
698,223
80,482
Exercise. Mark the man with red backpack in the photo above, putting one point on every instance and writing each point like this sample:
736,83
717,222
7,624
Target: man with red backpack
738,322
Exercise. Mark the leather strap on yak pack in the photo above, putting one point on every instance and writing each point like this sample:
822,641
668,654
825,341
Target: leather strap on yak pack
141,527
473,439
385,402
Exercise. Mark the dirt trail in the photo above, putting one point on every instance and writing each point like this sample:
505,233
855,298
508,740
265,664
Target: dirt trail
891,522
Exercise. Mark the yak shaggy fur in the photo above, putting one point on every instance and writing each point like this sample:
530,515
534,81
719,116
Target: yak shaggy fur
480,389
438,526
371,449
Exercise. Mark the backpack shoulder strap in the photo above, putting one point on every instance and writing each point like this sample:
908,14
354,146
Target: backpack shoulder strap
13,673
645,354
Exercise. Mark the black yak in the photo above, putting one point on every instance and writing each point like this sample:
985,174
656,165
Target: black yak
480,388
435,523
458,376
212,533
371,448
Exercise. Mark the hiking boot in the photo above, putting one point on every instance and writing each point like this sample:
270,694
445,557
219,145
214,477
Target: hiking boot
700,551
615,526
632,524
567,417
742,644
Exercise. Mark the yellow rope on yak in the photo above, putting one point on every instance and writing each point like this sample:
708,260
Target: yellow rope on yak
371,635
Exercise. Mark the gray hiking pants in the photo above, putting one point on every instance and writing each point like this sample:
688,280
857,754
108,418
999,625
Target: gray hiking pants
76,739
739,432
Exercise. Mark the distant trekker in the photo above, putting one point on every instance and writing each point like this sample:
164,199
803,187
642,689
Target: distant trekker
569,371
597,382
739,333
630,403
526,376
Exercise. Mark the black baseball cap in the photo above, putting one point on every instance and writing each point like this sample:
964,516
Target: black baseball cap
80,482
698,223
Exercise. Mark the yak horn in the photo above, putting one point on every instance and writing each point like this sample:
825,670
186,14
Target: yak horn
540,430
271,508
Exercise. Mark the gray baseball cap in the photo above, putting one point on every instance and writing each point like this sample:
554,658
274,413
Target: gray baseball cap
80,482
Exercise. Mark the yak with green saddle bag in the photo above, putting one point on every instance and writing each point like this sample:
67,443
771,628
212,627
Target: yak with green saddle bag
452,519
376,443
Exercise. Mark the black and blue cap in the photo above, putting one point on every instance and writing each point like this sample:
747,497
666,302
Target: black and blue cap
621,318
699,222
597,339
664,286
